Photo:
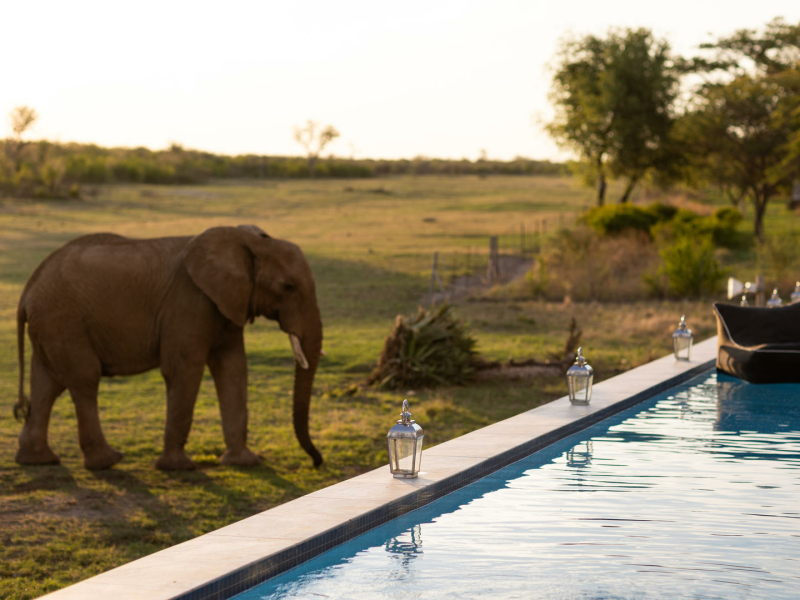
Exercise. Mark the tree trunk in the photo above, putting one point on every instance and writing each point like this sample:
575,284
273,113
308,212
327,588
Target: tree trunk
601,189
312,163
627,193
760,200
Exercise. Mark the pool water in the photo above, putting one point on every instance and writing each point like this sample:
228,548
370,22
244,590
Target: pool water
692,494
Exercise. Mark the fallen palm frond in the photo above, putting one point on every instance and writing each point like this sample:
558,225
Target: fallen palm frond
432,348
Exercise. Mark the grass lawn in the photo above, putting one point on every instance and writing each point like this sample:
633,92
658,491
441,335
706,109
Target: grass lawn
370,244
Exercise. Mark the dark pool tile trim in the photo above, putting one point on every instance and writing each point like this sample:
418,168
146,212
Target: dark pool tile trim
259,571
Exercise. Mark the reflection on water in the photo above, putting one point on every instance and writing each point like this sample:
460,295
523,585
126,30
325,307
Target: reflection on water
406,546
763,408
580,455
692,494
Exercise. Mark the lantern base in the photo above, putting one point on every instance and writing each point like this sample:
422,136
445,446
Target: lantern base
405,475
579,402
684,359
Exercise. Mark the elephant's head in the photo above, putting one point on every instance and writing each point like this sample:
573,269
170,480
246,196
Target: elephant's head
246,273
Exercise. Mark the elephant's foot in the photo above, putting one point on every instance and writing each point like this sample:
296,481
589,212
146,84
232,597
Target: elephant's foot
101,459
175,461
241,458
29,454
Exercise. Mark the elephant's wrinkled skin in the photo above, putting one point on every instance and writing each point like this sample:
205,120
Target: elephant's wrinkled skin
107,305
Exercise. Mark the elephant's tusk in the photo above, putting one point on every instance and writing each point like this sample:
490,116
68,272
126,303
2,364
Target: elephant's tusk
298,351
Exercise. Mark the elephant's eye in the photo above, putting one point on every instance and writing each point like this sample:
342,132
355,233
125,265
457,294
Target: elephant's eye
289,287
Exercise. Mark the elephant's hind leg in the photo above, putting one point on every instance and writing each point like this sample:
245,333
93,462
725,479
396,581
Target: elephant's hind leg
33,446
97,454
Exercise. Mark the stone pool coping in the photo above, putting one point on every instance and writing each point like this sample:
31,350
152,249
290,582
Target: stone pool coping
225,562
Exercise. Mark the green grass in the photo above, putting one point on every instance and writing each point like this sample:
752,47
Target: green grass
371,254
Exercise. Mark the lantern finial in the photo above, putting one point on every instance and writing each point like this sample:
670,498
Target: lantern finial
405,416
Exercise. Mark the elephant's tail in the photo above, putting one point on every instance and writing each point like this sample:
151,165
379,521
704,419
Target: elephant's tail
23,406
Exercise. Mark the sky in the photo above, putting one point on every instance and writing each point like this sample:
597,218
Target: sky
436,78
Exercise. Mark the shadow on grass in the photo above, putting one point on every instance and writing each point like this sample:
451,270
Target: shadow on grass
43,478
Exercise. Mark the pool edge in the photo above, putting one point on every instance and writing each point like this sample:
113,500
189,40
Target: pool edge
225,562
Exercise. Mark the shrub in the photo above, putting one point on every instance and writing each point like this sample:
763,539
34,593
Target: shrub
662,212
432,348
617,218
690,269
724,229
721,227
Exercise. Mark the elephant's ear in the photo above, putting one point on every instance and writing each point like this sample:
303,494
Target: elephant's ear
221,264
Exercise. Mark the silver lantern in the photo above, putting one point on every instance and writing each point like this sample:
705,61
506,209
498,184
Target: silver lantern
405,446
774,300
682,341
795,297
579,380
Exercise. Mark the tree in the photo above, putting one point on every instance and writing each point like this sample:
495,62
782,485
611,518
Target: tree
22,119
742,128
614,102
314,139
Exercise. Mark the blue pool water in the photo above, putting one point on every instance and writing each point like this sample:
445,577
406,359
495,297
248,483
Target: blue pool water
692,494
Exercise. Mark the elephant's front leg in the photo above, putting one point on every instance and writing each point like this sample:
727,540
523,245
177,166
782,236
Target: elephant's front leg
228,365
183,382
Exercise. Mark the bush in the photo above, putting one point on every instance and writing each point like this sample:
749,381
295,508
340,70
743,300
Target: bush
690,269
617,218
724,229
662,212
429,349
668,223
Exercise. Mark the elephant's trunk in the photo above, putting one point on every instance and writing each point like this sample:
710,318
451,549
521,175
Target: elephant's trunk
303,382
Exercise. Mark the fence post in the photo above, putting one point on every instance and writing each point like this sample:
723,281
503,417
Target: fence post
522,239
435,279
493,271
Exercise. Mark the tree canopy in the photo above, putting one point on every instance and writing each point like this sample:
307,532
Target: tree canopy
313,137
742,130
614,99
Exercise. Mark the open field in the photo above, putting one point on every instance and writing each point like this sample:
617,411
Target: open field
370,244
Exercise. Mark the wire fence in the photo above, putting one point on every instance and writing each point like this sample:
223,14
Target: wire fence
495,259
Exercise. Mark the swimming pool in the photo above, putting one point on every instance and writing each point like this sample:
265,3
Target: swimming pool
691,494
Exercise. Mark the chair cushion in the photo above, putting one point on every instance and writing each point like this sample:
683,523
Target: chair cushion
759,345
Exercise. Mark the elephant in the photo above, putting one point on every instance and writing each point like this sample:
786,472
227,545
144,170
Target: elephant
105,305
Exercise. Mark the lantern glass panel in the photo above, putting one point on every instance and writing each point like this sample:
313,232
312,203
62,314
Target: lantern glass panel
683,347
580,388
402,454
418,455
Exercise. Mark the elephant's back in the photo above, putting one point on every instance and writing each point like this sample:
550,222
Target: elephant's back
98,248
104,286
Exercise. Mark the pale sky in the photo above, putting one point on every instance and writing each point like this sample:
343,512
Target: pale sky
397,79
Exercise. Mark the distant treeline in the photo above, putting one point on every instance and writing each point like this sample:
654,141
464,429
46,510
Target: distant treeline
47,169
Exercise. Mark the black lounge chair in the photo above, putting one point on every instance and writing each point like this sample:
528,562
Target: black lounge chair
759,345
